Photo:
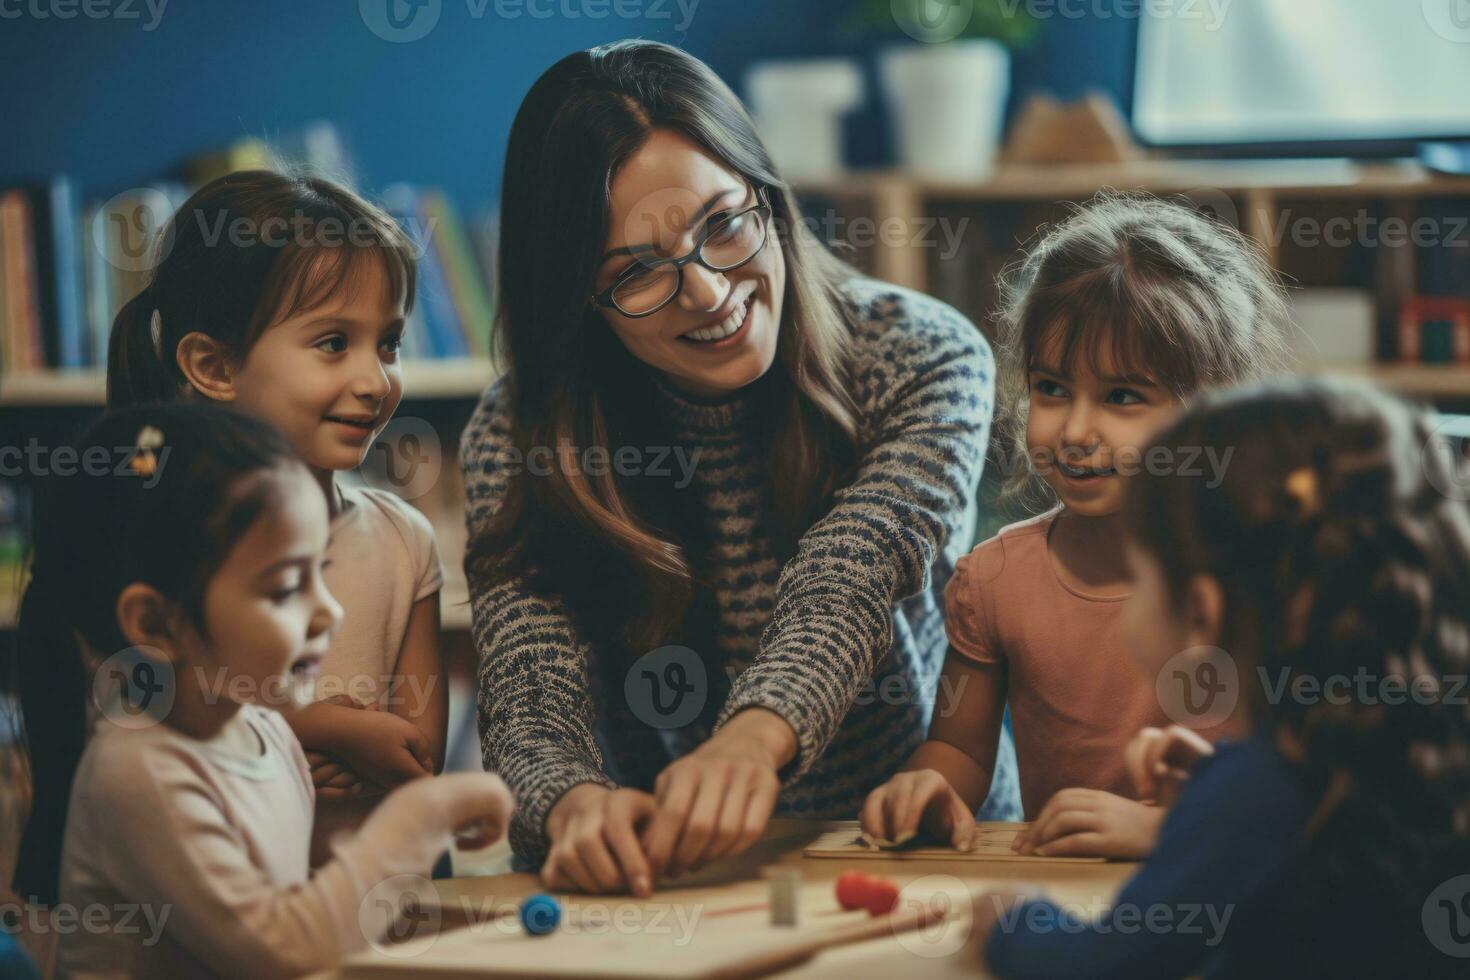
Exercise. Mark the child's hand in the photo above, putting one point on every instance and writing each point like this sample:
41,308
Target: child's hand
910,800
1091,823
385,749
1159,759
476,806
333,779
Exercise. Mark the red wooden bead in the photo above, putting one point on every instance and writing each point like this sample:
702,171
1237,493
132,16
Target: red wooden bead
882,896
852,890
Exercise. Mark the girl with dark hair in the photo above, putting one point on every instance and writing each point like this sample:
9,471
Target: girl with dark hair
1331,569
285,296
723,475
176,610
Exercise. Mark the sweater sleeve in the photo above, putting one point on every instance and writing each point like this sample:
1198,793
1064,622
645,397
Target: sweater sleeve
536,712
924,380
165,834
1174,914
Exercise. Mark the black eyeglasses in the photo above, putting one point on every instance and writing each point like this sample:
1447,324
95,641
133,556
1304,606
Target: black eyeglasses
723,246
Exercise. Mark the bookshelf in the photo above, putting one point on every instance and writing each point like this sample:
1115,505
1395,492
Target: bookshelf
1262,197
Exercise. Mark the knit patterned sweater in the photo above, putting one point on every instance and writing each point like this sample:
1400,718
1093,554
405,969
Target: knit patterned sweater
845,642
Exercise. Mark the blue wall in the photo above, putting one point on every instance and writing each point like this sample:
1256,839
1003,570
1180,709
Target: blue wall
116,104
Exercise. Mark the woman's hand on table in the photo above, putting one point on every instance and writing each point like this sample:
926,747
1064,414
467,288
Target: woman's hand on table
716,801
595,846
1092,823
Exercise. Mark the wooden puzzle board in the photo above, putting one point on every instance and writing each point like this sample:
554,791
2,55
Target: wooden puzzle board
731,937
992,843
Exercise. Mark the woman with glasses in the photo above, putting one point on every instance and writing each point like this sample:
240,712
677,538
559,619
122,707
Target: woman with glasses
715,499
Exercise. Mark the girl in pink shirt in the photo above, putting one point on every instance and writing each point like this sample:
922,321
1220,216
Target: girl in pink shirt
176,613
1116,317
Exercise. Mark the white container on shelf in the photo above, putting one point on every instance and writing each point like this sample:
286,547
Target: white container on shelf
947,102
1332,328
798,108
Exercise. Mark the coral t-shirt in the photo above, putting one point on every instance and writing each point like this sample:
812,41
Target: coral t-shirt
1076,695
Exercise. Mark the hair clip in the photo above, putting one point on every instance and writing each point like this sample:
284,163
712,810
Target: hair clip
144,461
155,329
1303,486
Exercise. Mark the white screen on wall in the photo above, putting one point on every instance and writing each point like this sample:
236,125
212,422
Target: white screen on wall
1274,71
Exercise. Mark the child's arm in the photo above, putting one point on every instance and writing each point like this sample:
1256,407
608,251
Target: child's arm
1228,840
378,746
948,777
161,836
420,692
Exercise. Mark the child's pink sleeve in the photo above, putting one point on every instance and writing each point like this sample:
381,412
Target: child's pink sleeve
966,620
176,846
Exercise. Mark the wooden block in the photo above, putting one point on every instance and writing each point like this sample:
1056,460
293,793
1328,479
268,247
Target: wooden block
992,843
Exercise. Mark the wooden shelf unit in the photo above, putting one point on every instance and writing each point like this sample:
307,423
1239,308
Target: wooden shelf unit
1253,189
423,379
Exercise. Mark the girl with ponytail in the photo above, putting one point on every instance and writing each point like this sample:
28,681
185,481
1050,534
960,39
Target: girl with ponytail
176,612
285,297
1322,589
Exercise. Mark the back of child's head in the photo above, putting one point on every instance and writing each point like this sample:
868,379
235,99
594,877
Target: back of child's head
159,495
244,251
1147,286
1342,549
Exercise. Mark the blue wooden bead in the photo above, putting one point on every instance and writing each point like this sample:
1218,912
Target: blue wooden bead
540,914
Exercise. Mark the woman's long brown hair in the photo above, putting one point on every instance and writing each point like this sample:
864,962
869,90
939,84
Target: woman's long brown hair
620,549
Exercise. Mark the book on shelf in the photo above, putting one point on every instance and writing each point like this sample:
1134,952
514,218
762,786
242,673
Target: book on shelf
67,268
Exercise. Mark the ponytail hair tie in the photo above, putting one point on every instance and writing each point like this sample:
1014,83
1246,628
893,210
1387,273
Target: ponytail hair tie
145,461
1304,487
155,330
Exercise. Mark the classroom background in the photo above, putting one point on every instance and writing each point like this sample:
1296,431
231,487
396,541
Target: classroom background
928,140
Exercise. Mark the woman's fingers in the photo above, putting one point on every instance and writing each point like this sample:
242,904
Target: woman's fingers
593,854
730,820
758,810
699,826
625,813
675,796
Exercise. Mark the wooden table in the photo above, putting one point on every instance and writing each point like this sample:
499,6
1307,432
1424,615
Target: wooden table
722,907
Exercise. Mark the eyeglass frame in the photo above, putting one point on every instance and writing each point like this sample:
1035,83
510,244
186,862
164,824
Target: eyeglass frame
605,298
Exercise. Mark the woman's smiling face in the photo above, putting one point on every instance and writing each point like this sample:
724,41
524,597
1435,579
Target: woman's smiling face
719,333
